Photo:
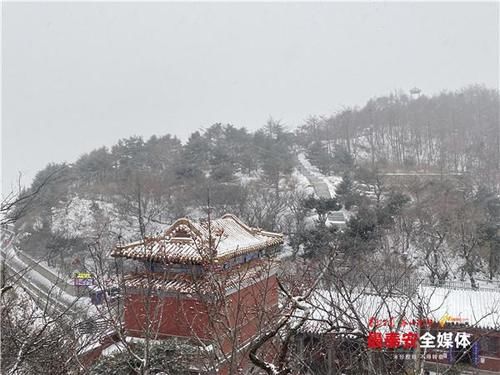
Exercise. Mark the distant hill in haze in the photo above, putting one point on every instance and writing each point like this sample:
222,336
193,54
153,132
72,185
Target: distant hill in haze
137,186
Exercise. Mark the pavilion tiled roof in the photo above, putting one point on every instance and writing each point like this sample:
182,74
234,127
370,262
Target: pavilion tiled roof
187,242
185,284
158,281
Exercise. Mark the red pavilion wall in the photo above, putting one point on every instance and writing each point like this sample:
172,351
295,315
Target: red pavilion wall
190,317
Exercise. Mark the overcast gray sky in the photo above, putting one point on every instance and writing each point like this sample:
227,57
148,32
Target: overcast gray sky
81,75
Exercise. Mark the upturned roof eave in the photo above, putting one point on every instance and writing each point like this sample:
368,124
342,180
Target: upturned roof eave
198,259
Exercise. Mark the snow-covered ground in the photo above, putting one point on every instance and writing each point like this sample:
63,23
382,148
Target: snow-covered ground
311,168
303,183
330,181
42,287
245,178
26,307
79,218
321,185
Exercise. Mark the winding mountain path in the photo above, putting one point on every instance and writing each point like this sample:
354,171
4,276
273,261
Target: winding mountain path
320,187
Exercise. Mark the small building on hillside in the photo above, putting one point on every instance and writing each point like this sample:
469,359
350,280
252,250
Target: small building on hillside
336,219
211,282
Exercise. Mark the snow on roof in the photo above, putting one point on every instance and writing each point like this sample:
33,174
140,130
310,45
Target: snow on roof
187,242
476,308
336,216
333,309
114,348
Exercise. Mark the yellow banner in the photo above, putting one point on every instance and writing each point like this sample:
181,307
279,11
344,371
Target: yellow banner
83,275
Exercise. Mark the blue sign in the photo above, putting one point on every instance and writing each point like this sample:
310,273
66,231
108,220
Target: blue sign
475,353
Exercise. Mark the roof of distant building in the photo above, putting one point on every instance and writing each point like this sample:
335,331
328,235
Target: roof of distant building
473,308
190,242
336,216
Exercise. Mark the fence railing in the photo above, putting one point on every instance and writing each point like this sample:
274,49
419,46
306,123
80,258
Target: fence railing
482,284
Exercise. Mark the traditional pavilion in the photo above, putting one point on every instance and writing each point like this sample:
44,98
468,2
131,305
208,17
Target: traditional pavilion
202,280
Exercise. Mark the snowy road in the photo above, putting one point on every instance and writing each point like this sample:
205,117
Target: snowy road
46,292
320,187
